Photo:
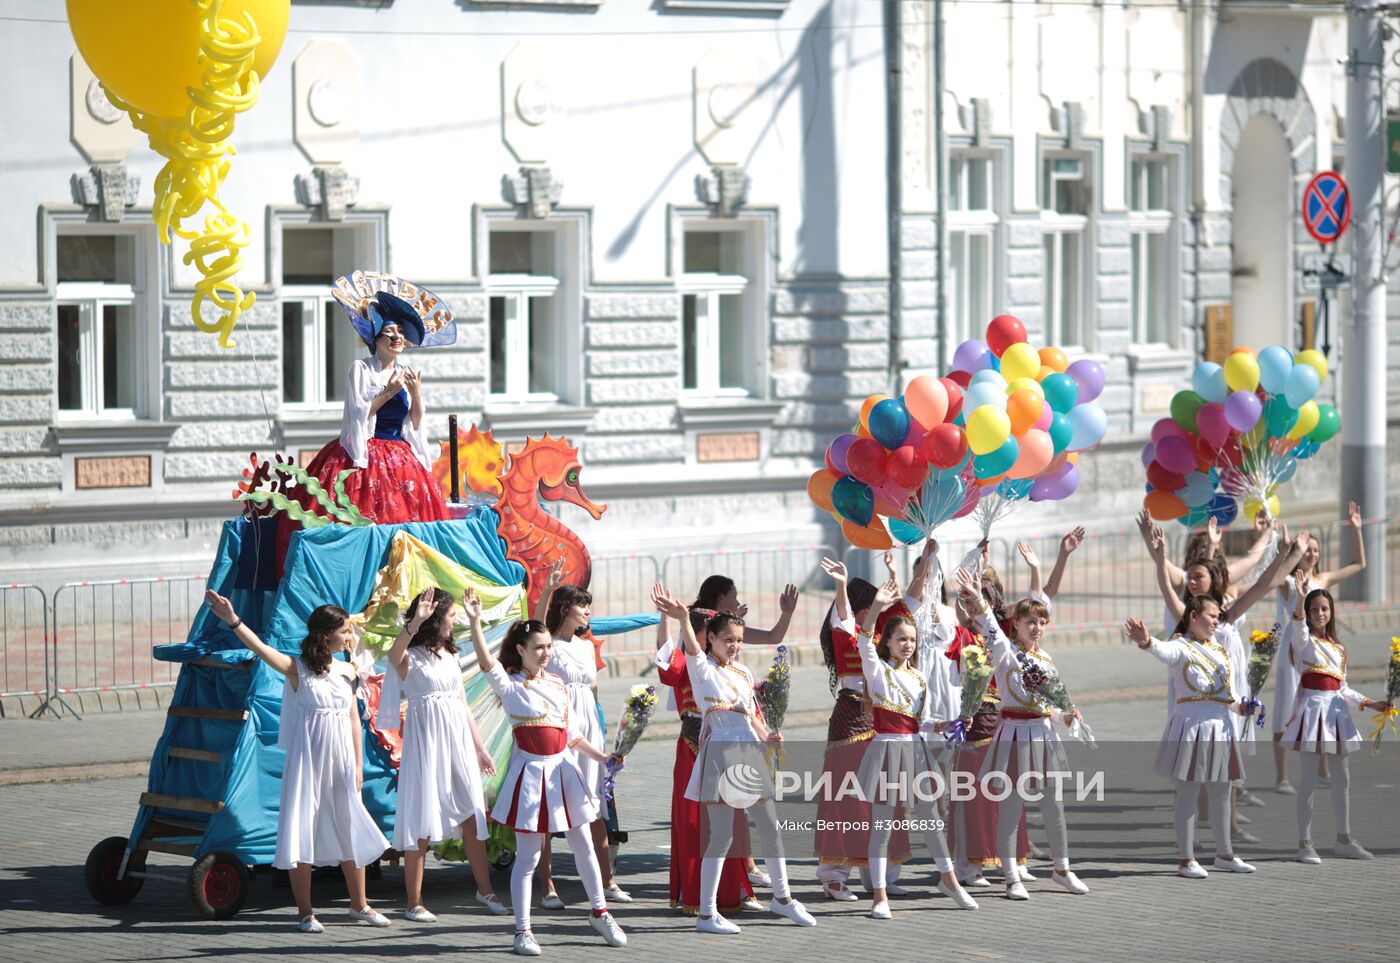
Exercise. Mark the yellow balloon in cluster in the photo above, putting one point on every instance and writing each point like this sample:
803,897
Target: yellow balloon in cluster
1253,507
147,51
1019,360
1242,372
1026,384
1316,361
1308,416
988,427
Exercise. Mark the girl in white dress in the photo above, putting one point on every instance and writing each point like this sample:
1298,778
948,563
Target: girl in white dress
543,791
732,737
1320,725
440,787
899,759
1306,579
321,819
1025,746
1200,744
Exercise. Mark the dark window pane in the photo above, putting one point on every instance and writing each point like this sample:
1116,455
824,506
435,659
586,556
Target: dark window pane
498,346
293,353
343,346
96,257
118,357
714,252
689,333
308,255
543,350
70,362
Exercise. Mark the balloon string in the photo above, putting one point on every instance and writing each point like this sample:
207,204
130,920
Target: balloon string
195,148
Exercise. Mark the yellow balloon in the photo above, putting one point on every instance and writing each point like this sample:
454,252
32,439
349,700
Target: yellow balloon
1308,416
1252,507
1026,384
1019,360
988,427
1316,360
1242,372
147,51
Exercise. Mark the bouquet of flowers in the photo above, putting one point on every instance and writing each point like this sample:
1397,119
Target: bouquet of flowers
1050,688
1392,695
1263,648
772,692
977,678
636,714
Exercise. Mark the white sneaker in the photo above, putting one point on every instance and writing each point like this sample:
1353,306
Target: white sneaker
1285,788
1192,870
1233,865
525,944
715,924
794,911
750,905
1017,891
369,916
1243,819
310,924
1069,882
617,894
420,914
605,926
880,911
894,889
969,875
758,877
1025,873
959,896
1351,850
1306,854
494,905
552,902
837,890
1249,799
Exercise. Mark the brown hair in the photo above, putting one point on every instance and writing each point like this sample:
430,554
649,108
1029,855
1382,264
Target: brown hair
517,635
1194,604
882,647
860,594
1219,577
1331,629
995,594
435,634
565,597
324,621
718,623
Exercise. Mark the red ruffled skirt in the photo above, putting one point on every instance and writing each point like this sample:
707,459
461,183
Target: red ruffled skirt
392,487
688,835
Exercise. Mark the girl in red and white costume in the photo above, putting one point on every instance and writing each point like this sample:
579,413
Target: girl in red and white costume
899,754
732,737
543,791
1320,725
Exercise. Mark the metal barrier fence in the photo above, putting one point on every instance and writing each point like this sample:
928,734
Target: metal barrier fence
103,633
622,584
24,643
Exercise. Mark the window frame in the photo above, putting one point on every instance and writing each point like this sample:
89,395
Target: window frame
1161,222
752,288
563,286
964,224
1055,227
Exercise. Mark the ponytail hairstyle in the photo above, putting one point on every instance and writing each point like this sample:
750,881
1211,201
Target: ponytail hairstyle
718,623
712,590
1331,629
1194,605
860,595
517,635
882,647
435,634
566,597
324,621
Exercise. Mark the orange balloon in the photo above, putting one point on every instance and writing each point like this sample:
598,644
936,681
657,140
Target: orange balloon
869,403
1044,372
1035,453
1054,359
872,536
1241,349
819,489
991,482
1164,506
1023,408
862,431
1073,458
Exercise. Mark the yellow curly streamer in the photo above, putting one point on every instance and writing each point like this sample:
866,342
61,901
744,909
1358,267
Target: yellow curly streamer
195,148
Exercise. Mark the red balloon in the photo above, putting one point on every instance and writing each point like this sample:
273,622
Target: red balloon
944,446
866,459
1003,332
906,467
955,397
960,378
1163,478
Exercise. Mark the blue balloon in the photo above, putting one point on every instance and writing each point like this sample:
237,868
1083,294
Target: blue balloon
985,393
1015,489
1209,381
1087,424
1224,513
1061,391
853,500
1198,491
888,422
1274,362
904,533
1301,385
1279,415
997,462
988,376
1285,473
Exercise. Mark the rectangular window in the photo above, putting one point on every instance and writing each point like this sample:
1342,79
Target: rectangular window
318,341
99,348
716,298
1152,222
972,246
525,326
1065,186
1064,287
1065,219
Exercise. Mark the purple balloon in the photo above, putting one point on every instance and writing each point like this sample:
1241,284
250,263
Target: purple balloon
1176,454
1149,452
1242,410
1057,486
837,452
1212,425
1089,376
972,356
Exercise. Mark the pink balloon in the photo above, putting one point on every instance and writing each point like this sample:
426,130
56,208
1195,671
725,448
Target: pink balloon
915,435
1176,454
1047,414
1211,424
927,400
1166,428
1035,453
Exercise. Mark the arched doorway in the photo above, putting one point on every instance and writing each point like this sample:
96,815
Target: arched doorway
1261,285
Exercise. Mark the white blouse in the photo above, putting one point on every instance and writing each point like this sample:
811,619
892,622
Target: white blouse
1006,668
539,701
364,381
1311,653
725,696
903,691
1201,671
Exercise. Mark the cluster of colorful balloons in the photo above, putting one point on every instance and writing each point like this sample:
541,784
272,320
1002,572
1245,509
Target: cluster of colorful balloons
1009,418
1236,435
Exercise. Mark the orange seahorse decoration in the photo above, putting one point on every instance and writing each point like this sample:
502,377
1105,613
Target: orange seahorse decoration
546,468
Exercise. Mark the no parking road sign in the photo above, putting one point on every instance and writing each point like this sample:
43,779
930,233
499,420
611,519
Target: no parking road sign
1326,207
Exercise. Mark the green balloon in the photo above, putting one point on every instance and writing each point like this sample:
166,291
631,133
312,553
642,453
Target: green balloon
1279,417
1329,422
1185,404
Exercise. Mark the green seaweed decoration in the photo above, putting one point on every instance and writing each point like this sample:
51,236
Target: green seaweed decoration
337,507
